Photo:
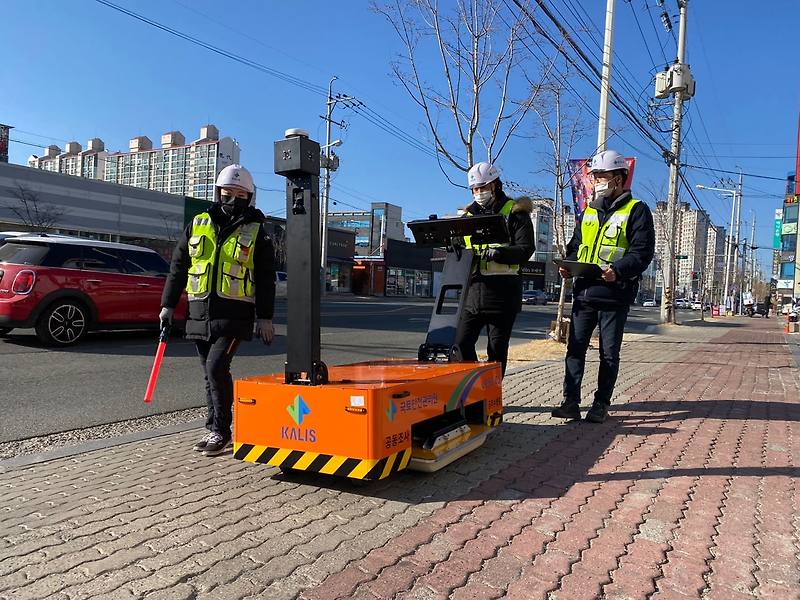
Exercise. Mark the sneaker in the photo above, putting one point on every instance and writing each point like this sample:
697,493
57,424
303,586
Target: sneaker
201,445
216,444
597,414
567,410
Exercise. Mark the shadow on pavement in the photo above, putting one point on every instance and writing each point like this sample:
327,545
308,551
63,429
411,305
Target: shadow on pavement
545,461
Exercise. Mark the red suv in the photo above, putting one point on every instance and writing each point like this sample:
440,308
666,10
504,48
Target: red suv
63,287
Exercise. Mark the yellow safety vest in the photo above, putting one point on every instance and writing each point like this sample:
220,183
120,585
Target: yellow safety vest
606,244
490,267
235,279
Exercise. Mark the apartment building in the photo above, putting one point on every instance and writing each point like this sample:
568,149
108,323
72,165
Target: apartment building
174,168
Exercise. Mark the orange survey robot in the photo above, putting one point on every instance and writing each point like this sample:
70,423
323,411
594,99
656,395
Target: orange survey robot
365,420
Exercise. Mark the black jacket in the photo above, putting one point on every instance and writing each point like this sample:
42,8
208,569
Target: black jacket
642,245
503,293
215,316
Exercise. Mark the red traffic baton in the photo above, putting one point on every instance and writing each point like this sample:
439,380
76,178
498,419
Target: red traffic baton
162,346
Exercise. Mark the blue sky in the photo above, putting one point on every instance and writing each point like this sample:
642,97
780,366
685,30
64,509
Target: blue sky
80,70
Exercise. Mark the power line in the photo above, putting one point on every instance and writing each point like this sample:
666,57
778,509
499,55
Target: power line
624,82
639,27
655,31
732,172
39,135
616,99
761,156
360,108
25,143
290,79
576,94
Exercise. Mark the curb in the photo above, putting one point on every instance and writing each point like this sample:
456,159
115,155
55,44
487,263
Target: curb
28,460
98,444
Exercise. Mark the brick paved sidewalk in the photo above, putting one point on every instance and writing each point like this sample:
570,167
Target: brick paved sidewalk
689,490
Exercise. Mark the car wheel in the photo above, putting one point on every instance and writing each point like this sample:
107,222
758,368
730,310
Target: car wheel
4,331
63,323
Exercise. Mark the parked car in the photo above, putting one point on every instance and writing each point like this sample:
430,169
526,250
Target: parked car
4,235
682,303
534,297
63,287
649,303
697,305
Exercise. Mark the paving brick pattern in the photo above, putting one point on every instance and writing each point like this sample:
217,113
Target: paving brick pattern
689,490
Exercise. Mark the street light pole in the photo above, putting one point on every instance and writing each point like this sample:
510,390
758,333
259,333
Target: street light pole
728,238
605,82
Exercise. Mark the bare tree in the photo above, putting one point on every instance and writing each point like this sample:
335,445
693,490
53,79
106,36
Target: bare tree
476,45
564,127
279,246
34,213
172,226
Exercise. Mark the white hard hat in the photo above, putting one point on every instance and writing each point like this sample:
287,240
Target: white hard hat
236,176
481,173
608,160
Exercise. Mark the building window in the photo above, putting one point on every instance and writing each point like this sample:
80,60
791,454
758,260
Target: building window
787,270
408,282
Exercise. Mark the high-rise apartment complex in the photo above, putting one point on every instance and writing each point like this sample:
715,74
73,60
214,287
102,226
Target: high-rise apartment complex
692,241
542,221
693,231
175,168
715,261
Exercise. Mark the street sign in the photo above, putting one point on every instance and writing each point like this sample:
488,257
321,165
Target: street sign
681,256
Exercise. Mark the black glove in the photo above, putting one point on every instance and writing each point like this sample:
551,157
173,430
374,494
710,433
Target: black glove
490,254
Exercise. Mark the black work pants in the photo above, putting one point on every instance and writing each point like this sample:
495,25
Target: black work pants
612,325
499,331
216,356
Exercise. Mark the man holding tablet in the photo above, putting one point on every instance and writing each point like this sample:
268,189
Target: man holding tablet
614,243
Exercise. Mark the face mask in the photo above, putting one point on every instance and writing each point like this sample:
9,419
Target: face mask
232,205
603,189
483,198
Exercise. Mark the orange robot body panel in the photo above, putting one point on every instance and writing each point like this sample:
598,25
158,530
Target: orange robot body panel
360,423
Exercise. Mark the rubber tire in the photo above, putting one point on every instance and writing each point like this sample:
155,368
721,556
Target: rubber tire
4,331
68,308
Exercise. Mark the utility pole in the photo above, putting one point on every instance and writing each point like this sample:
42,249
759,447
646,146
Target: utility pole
728,250
752,251
735,258
329,162
605,82
680,85
327,189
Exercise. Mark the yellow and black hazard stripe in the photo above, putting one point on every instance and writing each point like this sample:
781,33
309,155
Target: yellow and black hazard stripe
329,464
494,419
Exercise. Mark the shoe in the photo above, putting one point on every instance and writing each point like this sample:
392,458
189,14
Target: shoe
567,410
597,414
201,445
217,444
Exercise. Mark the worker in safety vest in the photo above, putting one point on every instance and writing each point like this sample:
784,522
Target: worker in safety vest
615,232
225,262
495,290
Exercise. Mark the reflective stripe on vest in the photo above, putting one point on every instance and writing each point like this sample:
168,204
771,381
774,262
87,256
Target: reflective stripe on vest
236,262
490,267
606,244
